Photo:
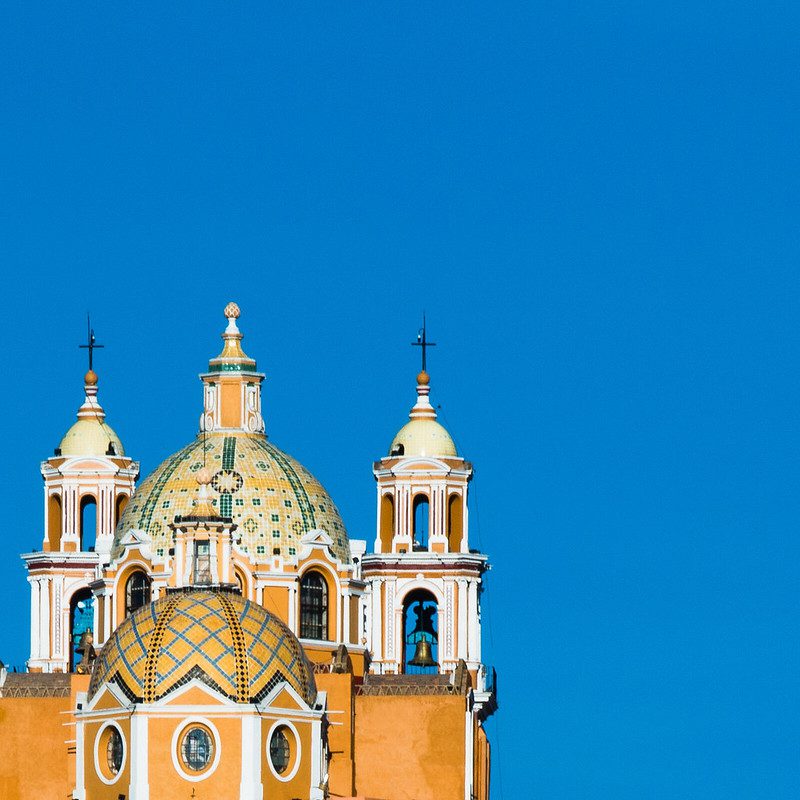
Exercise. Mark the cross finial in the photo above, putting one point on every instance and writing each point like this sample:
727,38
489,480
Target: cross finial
422,341
91,342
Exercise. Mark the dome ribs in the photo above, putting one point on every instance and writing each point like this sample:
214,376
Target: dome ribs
150,667
239,649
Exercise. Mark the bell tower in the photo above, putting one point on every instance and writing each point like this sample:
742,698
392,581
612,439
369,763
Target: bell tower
87,483
424,582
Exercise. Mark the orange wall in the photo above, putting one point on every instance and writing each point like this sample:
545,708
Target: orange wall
36,760
409,748
95,788
165,782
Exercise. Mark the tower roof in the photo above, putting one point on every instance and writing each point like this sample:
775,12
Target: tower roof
91,435
232,358
423,435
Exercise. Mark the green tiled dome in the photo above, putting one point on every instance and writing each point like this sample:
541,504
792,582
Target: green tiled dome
272,498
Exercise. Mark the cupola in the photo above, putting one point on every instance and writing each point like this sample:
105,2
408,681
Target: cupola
232,396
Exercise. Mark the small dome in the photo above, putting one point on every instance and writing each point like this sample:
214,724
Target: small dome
272,498
423,437
231,644
90,437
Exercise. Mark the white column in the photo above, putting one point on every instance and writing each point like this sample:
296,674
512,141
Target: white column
464,522
473,650
108,609
317,762
391,635
346,617
80,755
139,788
60,647
293,626
376,642
461,649
35,624
468,756
212,544
251,787
44,619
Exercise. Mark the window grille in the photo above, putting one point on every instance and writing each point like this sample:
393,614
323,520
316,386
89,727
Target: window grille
313,606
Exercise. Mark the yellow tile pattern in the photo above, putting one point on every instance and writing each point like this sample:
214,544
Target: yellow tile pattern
229,643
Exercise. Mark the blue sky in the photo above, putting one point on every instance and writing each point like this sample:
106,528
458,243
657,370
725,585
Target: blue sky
597,206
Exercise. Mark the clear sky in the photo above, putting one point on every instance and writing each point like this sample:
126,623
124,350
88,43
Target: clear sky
597,206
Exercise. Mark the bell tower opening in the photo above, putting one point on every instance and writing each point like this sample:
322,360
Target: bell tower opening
88,522
119,507
54,522
387,523
81,619
420,633
455,523
421,522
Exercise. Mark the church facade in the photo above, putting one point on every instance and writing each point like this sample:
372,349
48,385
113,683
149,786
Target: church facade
213,632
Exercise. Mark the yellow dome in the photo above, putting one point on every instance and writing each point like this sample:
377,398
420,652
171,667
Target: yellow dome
231,644
90,437
423,437
272,498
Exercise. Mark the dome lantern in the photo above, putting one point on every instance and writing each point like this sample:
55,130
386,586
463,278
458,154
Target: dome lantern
232,385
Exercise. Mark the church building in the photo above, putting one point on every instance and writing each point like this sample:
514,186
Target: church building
212,631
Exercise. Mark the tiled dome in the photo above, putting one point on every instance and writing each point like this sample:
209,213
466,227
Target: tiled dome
272,498
228,643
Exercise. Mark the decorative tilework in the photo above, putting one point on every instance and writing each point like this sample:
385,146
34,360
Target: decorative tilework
229,643
246,468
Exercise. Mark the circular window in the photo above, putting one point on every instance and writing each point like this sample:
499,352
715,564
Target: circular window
196,748
114,751
109,753
279,752
283,750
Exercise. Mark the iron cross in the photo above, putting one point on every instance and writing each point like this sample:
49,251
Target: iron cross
91,342
422,341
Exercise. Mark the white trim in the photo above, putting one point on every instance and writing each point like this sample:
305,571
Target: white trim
284,723
97,768
184,727
251,787
469,756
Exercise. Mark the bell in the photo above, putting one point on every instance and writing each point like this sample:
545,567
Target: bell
423,657
86,649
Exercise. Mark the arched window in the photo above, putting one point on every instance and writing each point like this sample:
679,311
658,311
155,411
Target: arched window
88,522
420,633
122,501
54,522
387,523
421,522
313,606
137,592
81,619
455,523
